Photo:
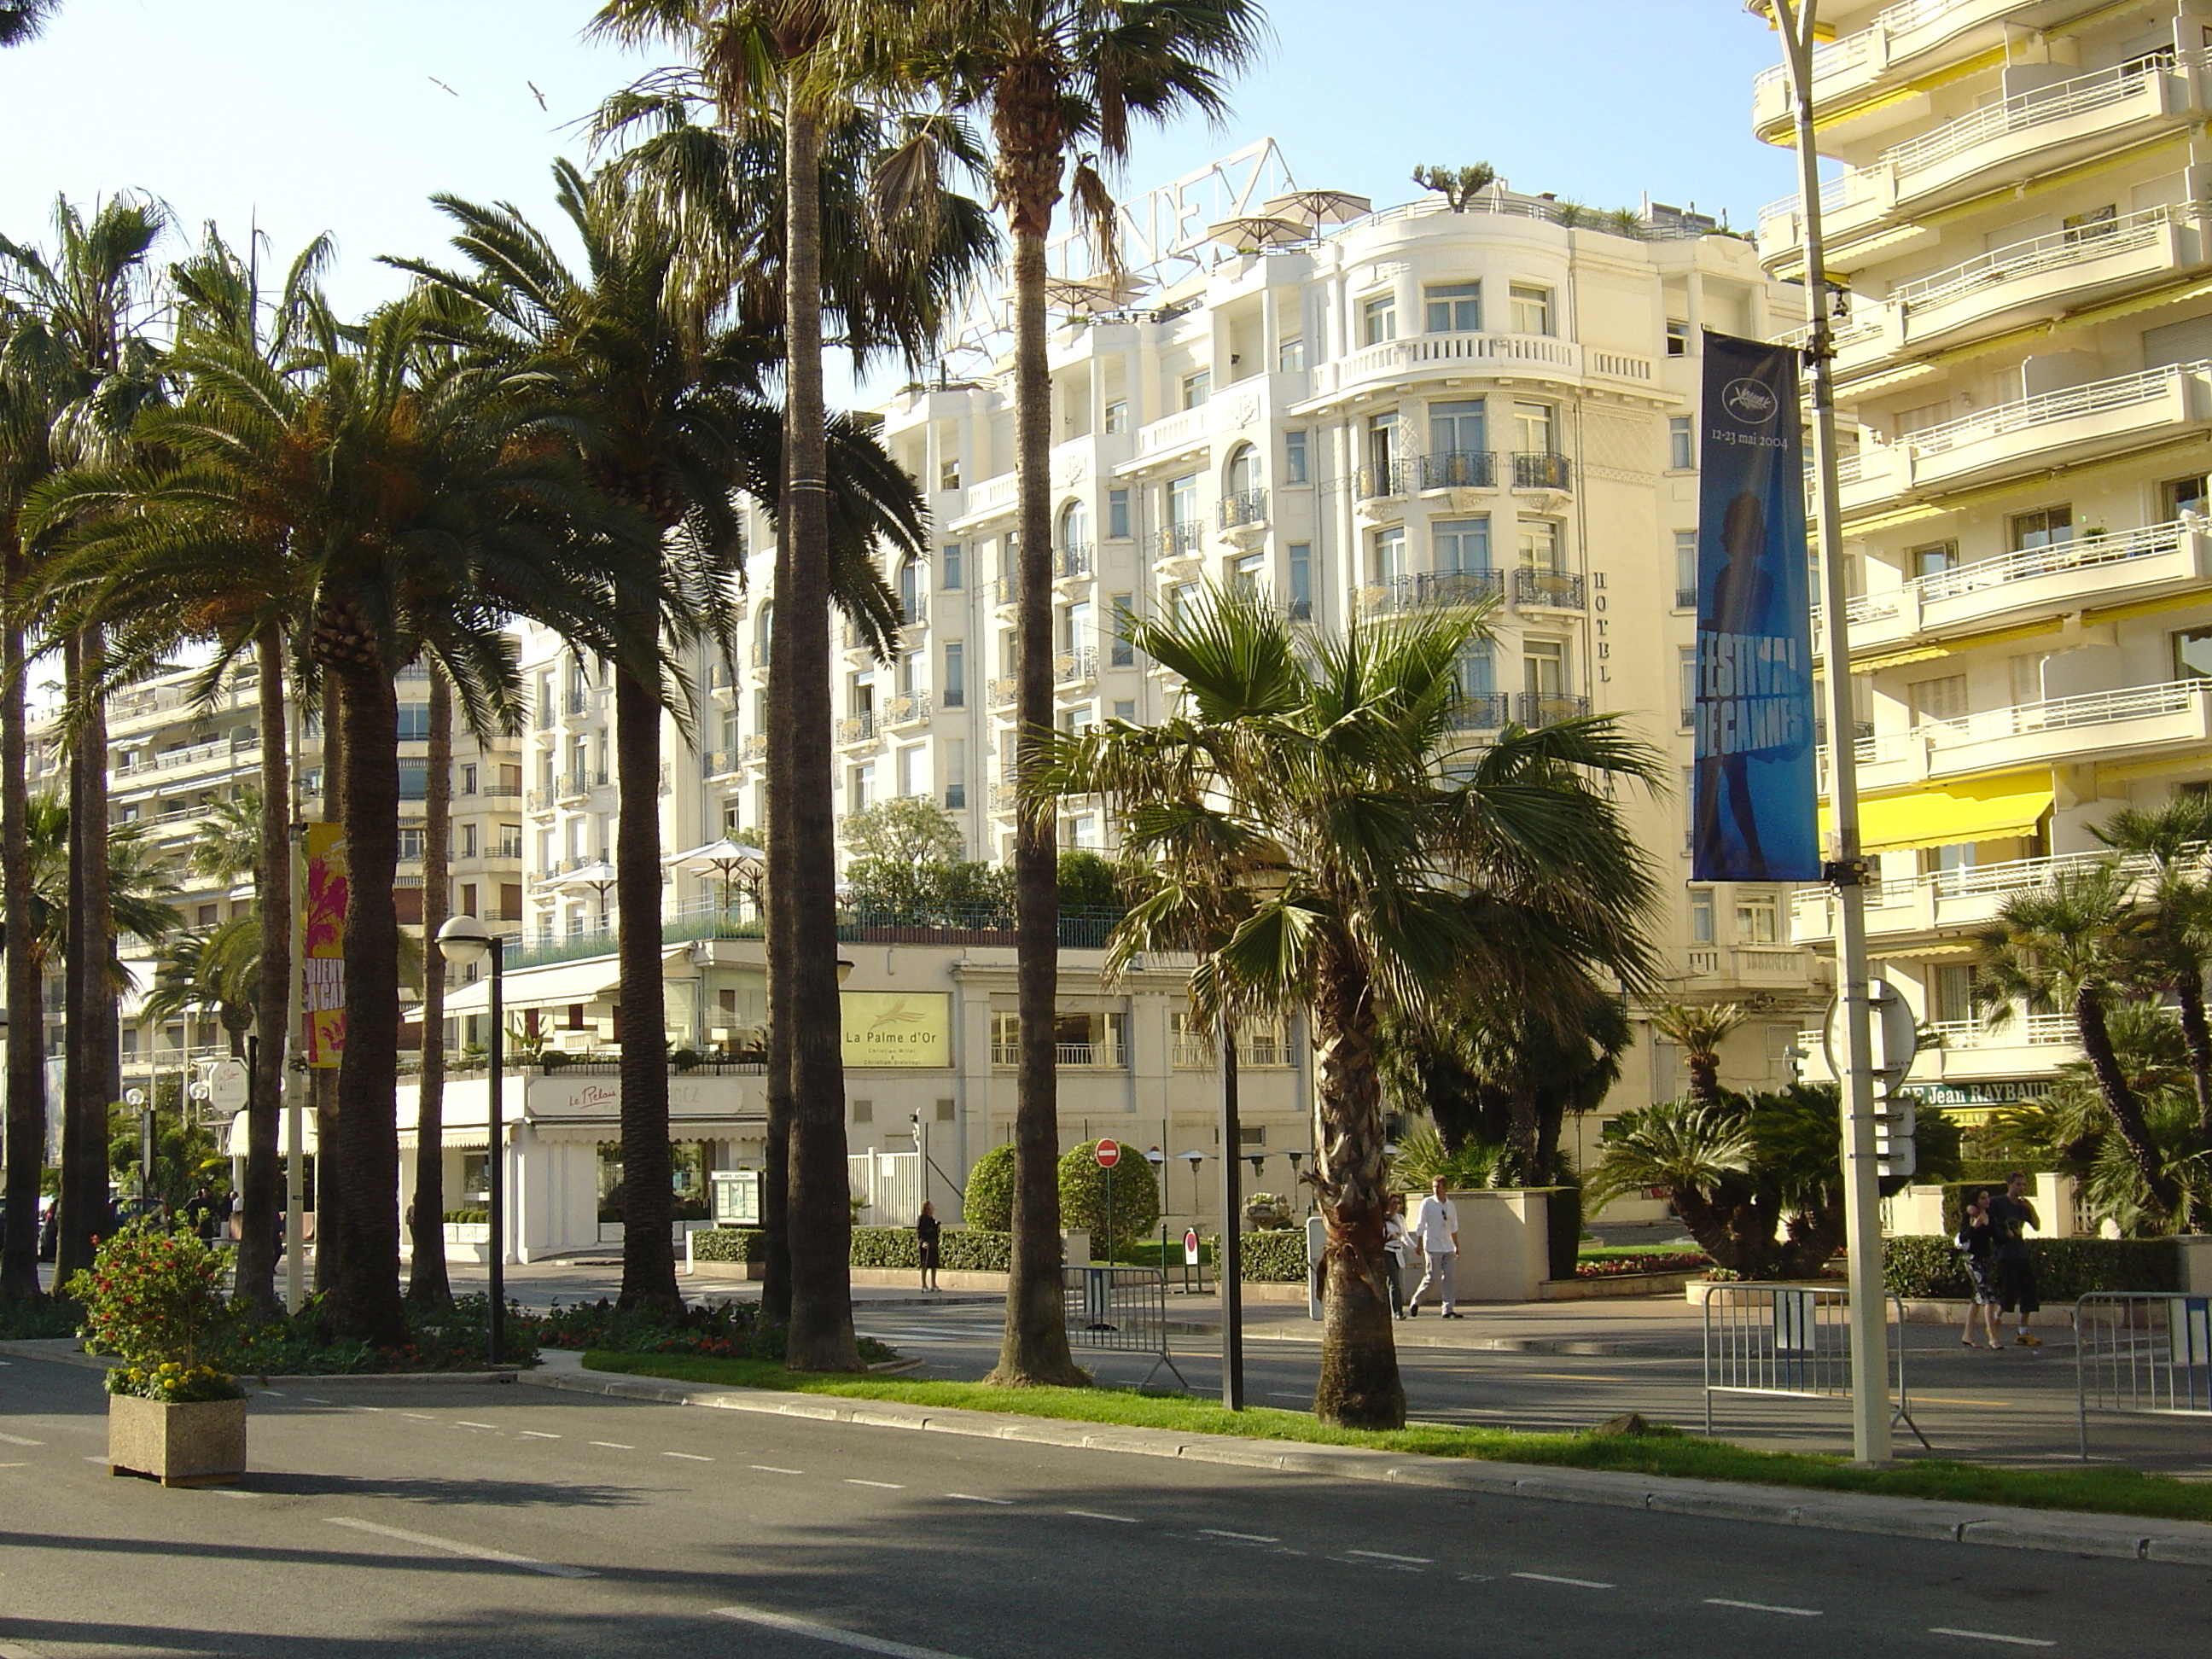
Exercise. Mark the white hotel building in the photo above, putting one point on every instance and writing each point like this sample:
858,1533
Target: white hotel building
2024,374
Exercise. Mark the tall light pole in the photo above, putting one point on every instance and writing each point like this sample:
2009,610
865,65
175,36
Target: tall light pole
1870,1412
462,941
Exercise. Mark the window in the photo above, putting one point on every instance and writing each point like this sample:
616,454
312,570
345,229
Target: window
863,793
1125,708
1291,356
1701,916
1117,416
1681,448
2098,222
1476,673
2049,527
1117,514
468,841
1544,668
1758,919
1378,318
414,722
1678,339
864,1111
468,784
2180,496
1933,559
948,474
1381,450
1942,699
1243,470
1197,387
1075,528
1183,500
1294,458
954,682
953,753
1390,555
1540,545
414,781
1532,309
1460,430
1686,672
1532,429
411,841
950,574
1299,555
1951,993
1119,653
2192,654
1685,570
1462,545
1454,307
207,912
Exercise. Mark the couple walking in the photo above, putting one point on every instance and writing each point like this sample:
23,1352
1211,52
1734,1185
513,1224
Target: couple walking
1435,1234
1999,1273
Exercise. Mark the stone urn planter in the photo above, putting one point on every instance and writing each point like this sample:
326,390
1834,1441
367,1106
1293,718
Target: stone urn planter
198,1443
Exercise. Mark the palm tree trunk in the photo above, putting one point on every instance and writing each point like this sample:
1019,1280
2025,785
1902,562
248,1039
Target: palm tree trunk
1359,1386
327,1194
775,919
1035,1348
648,1256
262,1201
426,1275
2197,1031
2120,1101
363,1276
25,1071
820,1222
87,985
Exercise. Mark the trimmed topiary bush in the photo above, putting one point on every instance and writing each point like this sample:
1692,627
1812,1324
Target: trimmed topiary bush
1083,1197
729,1245
885,1247
1274,1257
976,1250
988,1203
1922,1265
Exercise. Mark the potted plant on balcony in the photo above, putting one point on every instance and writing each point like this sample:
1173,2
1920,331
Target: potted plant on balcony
155,1298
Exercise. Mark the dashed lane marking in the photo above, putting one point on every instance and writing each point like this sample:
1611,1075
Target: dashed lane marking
888,1486
18,1440
1093,1514
830,1633
770,1468
973,1498
463,1423
1384,1555
1762,1606
1554,1578
1245,1537
537,1434
614,1445
1991,1636
688,1457
456,1547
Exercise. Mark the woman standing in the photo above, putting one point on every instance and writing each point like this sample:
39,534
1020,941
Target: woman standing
1977,1240
1396,1242
927,1229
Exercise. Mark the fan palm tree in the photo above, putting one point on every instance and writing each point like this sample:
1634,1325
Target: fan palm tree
1058,81
1385,869
212,970
1698,1029
88,303
140,888
2173,937
2067,948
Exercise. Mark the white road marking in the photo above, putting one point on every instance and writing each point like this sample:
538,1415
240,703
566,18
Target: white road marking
843,1638
766,1469
537,1434
314,1401
1247,1537
278,1393
614,1445
1289,1393
1991,1636
1763,1606
231,1491
1554,1578
1380,1555
1093,1514
95,1459
1476,1577
688,1457
18,1440
888,1486
463,1423
455,1546
967,1497
420,1416
13,1466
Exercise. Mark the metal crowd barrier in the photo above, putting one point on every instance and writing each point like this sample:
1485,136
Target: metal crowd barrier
2141,1354
1121,1309
1793,1341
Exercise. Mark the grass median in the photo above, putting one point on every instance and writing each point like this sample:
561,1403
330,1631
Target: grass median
1661,1450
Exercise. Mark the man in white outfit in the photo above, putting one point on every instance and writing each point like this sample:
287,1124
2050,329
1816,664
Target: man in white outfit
1436,1227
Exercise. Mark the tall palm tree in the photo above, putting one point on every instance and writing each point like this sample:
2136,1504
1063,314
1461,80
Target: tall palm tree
90,300
1056,79
214,970
2067,948
2173,937
21,20
1387,869
1698,1029
427,1281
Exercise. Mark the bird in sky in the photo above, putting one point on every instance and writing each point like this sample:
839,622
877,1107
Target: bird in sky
534,92
435,81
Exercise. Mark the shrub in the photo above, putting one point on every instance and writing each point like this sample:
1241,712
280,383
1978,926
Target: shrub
977,1250
1922,1265
51,1316
988,1203
453,1337
729,1245
885,1247
156,1299
1275,1257
1082,1196
730,1331
468,1218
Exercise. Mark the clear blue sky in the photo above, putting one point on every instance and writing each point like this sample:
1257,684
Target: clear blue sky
317,115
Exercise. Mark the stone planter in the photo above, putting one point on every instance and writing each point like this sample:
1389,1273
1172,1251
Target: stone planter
200,1444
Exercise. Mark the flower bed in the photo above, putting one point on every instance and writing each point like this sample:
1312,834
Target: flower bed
732,1330
1655,1261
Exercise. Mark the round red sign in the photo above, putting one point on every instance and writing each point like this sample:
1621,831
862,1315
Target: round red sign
1109,1154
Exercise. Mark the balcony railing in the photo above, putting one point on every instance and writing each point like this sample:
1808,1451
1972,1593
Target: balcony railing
1197,1054
2054,252
1075,667
2088,551
1069,1056
1560,590
720,762
1429,587
1003,691
1482,711
908,708
1177,541
537,800
755,747
2097,397
857,729
1542,469
576,703
1375,483
2055,102
2064,713
198,754
1246,506
1534,708
583,782
1460,469
1070,562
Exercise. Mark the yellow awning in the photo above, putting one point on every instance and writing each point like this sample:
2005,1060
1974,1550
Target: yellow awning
1981,808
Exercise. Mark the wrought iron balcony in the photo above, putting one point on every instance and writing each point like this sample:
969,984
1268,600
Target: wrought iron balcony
1533,709
1542,469
1246,506
1460,469
1559,590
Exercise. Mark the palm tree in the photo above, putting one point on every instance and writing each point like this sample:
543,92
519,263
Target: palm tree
2173,938
21,20
1059,79
427,1281
88,302
1698,1029
216,969
1385,869
2067,948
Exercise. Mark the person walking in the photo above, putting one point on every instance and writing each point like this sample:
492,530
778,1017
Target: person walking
928,1229
2011,1216
1436,1229
1397,1242
199,1213
1978,1247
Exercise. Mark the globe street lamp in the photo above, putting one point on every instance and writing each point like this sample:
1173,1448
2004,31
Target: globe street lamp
463,941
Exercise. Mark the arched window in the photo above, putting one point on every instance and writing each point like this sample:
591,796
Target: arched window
1243,469
1071,545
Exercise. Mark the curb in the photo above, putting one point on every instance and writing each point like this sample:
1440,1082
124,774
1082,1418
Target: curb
2057,1531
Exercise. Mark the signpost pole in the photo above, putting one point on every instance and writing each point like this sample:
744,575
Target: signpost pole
1870,1414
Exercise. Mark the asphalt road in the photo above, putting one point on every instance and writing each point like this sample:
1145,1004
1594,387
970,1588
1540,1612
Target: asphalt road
446,1520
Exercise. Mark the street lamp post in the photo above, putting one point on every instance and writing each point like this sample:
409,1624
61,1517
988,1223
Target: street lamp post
462,941
1232,1241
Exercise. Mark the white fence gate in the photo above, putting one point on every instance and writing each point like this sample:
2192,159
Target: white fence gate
889,1186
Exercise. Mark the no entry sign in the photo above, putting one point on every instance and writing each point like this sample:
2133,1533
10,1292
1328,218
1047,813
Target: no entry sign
1109,1154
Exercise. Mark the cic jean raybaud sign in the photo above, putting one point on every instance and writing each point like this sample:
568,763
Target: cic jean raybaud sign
897,1028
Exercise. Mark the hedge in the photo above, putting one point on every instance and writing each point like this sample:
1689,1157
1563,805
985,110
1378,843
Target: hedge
1923,1266
1275,1257
729,1245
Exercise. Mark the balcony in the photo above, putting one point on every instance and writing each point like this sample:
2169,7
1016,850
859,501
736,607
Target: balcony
574,702
1393,481
2142,720
754,748
1542,469
1075,668
1536,709
856,730
539,800
1072,563
1002,691
1912,39
908,708
1970,1050
1481,711
1246,510
1068,1056
1172,434
1759,965
1252,1054
1522,357
573,784
1177,544
1402,593
1460,469
222,751
1552,590
722,763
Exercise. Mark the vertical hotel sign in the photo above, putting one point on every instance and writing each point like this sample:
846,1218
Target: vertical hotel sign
1753,818
323,957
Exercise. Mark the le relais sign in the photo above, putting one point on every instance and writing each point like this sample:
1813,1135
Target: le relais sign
897,1028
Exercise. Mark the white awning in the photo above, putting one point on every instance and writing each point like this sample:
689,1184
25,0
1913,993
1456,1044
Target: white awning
234,1139
555,985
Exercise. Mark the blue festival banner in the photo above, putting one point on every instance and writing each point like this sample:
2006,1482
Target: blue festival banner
1755,815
